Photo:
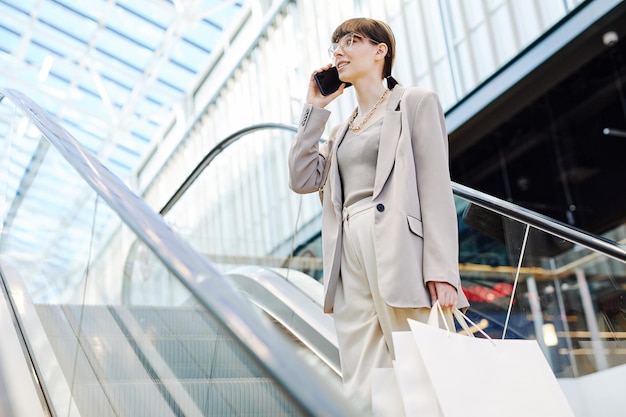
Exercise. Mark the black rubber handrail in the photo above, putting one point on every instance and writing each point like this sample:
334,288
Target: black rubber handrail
542,222
221,146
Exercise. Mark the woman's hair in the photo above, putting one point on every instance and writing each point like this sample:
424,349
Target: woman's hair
377,31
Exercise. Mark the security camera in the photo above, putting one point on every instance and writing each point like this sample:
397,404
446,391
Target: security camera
610,38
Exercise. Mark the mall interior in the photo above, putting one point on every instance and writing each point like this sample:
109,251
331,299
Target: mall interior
154,261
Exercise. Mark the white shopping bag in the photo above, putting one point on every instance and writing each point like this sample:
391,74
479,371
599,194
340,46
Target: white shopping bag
386,400
413,384
487,377
417,392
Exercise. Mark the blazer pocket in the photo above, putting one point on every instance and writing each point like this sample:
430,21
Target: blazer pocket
415,225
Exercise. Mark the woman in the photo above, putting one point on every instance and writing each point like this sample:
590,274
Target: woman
389,228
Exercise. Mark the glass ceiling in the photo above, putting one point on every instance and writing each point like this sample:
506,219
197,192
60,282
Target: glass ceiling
111,71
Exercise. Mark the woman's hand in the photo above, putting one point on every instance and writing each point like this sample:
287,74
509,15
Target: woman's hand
315,97
444,292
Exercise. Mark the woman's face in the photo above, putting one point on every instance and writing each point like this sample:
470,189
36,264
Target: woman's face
354,56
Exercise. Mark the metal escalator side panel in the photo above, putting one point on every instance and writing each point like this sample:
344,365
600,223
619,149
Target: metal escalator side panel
294,309
42,363
18,390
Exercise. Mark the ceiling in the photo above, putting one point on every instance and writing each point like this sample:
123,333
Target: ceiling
112,71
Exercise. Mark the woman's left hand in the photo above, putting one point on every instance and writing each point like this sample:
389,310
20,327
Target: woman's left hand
444,292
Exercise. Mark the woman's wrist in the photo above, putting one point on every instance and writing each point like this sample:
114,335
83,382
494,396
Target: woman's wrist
319,105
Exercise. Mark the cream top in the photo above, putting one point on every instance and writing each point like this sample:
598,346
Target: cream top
356,159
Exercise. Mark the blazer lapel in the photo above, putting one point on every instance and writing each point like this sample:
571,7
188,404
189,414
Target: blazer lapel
336,189
389,138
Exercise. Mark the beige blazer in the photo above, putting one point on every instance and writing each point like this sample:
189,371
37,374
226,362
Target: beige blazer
416,236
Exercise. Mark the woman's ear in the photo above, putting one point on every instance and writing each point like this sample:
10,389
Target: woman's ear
381,52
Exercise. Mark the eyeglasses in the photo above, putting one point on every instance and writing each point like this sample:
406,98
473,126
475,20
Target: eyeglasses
346,42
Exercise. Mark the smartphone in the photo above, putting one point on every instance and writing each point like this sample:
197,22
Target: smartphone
328,81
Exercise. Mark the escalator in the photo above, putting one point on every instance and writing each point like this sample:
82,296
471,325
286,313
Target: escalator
147,360
191,345
118,315
200,370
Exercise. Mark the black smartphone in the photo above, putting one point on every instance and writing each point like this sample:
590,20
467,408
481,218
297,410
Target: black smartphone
328,81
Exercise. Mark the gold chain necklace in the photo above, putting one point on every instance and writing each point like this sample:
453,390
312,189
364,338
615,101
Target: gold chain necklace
367,116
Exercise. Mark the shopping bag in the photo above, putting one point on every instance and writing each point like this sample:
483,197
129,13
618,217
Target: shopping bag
417,394
386,400
473,376
413,384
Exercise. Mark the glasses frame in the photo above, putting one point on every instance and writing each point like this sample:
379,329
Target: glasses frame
347,43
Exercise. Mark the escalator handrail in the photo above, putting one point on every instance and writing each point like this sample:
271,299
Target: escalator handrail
539,221
194,271
283,297
213,153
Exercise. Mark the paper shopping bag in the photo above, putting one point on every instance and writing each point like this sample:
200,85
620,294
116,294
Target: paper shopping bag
488,377
413,384
386,400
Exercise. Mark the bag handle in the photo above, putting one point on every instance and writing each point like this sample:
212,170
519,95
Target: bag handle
437,312
460,317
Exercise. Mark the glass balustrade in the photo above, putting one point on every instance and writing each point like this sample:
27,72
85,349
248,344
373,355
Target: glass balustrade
522,282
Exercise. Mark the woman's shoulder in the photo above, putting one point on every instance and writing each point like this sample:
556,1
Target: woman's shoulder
418,93
416,97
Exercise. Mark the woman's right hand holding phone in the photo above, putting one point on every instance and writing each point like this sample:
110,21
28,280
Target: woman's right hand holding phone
315,97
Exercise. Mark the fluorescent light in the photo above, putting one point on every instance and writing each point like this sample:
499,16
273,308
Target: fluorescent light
549,335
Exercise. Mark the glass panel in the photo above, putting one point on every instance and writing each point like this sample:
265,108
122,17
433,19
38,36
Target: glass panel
568,298
252,214
111,329
565,298
250,231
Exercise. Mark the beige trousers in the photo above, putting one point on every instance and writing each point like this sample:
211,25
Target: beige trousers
363,321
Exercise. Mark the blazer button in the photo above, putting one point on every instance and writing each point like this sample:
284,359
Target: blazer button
380,207
305,116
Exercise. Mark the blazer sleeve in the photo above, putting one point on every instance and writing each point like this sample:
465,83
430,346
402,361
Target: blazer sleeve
430,151
306,157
